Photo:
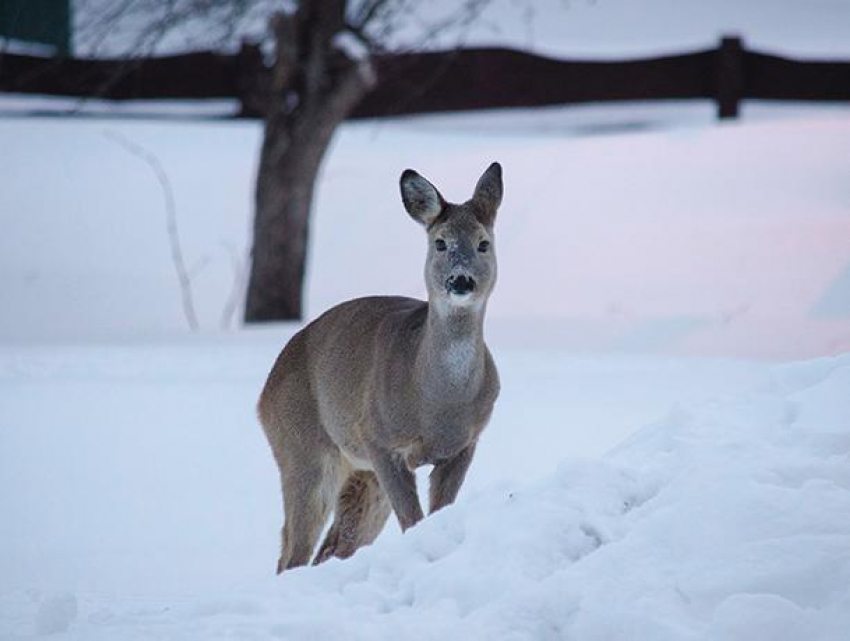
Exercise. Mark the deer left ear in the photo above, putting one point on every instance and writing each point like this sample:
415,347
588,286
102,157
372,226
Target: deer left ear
488,191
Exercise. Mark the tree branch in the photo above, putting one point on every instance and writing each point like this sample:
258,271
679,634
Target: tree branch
183,278
239,266
356,80
283,28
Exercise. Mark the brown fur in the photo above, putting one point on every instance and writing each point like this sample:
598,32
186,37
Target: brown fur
378,386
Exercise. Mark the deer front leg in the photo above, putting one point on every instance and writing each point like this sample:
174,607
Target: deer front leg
399,482
447,477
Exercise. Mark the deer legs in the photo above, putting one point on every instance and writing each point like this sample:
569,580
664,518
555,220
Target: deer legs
362,510
308,499
363,502
399,482
447,477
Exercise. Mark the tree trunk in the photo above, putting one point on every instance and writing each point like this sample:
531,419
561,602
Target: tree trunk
313,87
284,193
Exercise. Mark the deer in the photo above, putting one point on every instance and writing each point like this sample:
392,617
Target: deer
378,386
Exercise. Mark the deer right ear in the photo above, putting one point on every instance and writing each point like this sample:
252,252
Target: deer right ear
421,199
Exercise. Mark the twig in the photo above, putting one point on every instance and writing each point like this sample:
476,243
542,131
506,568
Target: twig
183,278
237,288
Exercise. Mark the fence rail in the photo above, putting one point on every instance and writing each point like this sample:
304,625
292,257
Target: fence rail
455,80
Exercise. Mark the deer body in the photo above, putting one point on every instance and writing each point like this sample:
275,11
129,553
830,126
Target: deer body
379,386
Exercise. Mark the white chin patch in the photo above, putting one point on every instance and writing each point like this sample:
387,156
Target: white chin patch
461,300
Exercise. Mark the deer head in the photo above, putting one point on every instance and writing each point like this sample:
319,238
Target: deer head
460,269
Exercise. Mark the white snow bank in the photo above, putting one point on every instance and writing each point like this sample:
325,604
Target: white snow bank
729,240
55,613
716,522
726,519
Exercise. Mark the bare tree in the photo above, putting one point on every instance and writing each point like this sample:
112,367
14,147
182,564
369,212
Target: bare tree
320,62
314,84
316,79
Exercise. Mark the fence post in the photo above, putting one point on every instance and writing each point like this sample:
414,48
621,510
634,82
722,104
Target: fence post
729,76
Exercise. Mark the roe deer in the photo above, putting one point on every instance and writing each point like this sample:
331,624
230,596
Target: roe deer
378,386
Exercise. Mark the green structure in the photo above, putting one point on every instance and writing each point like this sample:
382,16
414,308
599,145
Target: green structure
41,21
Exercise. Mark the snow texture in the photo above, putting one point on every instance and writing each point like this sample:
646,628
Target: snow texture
651,471
55,613
685,239
725,519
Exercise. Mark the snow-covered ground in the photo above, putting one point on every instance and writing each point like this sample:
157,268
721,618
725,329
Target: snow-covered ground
139,501
694,238
670,456
641,271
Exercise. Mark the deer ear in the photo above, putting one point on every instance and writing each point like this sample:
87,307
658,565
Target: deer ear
488,191
421,199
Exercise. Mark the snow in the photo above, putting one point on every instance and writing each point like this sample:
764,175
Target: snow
669,456
662,240
726,515
55,613
351,46
140,498
9,45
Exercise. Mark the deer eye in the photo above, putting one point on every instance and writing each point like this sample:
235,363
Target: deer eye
440,244
483,246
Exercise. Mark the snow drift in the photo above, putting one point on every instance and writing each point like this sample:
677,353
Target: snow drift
727,519
138,498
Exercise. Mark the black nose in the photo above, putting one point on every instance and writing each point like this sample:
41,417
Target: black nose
460,285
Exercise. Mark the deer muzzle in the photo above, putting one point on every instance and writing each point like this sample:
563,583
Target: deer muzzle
460,285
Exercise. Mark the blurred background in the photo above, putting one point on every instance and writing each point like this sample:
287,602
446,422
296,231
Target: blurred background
675,171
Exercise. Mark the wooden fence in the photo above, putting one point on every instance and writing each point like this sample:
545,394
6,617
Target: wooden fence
454,80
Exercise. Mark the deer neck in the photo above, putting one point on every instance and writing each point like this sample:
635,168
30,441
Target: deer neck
451,355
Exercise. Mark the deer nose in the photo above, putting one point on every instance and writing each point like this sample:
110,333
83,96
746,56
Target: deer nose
460,285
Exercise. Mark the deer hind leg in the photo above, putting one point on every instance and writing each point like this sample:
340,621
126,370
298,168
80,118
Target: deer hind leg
309,489
362,510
